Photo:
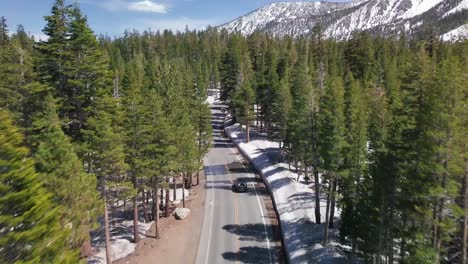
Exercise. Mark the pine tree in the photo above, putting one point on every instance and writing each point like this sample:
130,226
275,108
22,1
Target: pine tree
105,155
4,38
230,67
281,105
15,73
133,125
50,66
354,152
30,228
301,108
158,152
201,113
332,140
243,97
446,122
60,168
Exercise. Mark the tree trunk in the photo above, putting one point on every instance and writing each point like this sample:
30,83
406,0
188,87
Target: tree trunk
106,227
298,171
306,173
190,180
318,219
156,211
402,250
247,130
198,177
136,237
161,198
145,204
166,211
183,192
325,236
332,205
174,188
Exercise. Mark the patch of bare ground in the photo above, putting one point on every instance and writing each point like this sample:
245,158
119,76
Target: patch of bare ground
178,242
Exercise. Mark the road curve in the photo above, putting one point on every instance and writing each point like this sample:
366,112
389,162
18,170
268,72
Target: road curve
236,226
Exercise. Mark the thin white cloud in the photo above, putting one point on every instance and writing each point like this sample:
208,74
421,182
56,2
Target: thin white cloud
138,6
147,6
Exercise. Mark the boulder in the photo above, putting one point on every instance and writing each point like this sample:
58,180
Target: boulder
181,213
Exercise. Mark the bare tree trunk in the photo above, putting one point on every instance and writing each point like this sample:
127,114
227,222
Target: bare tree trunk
156,211
402,250
306,173
298,171
136,237
318,219
161,198
190,180
107,231
174,188
153,203
247,129
166,211
183,192
145,204
325,236
332,205
148,194
261,119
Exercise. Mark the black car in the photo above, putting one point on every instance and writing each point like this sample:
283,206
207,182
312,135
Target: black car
239,186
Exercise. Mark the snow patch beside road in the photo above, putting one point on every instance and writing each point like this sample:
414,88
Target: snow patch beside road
122,233
294,202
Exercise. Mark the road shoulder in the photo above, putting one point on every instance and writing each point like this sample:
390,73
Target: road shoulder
179,239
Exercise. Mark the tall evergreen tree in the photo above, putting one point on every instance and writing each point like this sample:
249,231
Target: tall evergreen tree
60,168
332,141
30,228
133,125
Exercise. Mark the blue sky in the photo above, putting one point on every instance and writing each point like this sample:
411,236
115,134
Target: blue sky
112,17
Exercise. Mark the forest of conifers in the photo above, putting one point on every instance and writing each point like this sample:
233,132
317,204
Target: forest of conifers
85,121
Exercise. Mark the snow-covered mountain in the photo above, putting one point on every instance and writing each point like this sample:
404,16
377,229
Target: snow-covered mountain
340,19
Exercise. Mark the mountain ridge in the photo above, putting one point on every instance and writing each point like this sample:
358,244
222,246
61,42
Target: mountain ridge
339,19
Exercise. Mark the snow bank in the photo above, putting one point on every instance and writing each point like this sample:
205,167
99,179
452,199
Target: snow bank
122,234
121,245
293,200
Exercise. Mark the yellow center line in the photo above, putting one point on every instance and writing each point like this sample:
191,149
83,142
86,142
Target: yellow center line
236,215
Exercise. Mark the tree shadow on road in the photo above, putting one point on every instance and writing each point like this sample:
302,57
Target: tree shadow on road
250,232
257,255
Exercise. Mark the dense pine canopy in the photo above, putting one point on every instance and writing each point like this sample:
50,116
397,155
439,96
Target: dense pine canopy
380,122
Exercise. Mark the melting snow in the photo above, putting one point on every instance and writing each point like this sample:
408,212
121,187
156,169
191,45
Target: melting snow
294,201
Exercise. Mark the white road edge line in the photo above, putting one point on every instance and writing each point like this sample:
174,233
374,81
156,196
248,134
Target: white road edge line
211,219
261,210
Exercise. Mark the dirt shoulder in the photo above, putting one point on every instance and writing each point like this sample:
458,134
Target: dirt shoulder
179,239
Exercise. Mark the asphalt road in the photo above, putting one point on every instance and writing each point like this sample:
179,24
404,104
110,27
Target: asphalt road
236,226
